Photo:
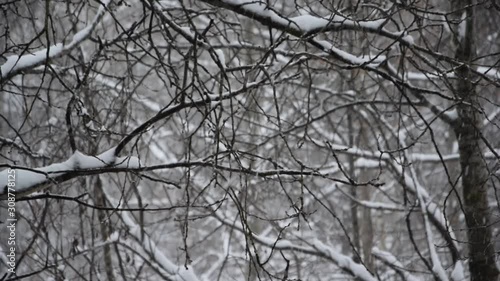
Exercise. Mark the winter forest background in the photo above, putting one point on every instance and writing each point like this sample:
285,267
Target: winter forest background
251,139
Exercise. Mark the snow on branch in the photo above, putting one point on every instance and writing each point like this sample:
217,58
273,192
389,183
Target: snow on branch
28,180
488,71
365,155
437,268
433,214
180,273
16,64
380,206
306,25
299,26
312,24
393,262
347,57
316,248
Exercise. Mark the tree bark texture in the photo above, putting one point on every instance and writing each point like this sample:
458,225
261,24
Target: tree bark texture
482,265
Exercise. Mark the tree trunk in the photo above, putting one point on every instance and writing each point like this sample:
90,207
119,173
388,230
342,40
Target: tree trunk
101,214
367,230
482,264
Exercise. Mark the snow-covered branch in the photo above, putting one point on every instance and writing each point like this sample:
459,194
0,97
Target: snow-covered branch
315,248
30,180
437,267
305,25
178,273
394,263
299,26
16,64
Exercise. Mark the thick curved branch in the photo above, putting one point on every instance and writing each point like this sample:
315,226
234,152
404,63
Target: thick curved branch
176,108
